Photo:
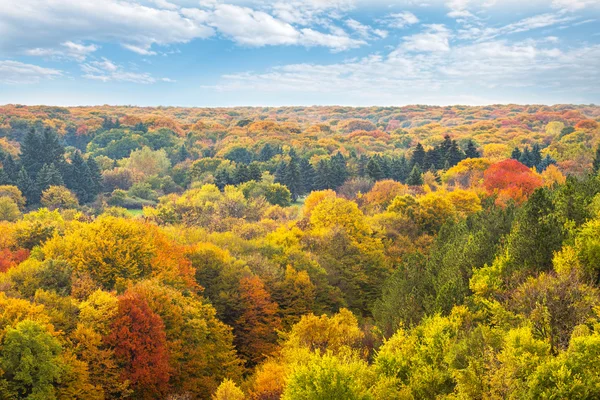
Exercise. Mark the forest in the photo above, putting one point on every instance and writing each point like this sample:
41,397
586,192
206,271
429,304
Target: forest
326,253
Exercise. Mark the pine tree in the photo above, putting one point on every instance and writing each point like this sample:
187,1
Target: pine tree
4,180
222,178
362,165
415,178
11,168
80,181
307,175
292,179
596,163
445,147
536,155
516,154
399,169
266,153
48,176
418,156
339,171
526,158
27,187
454,155
433,157
96,177
31,150
241,174
471,150
374,169
323,176
182,153
254,172
52,151
280,172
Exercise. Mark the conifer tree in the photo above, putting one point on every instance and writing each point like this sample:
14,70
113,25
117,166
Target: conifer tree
596,163
292,179
418,156
516,154
471,150
27,186
95,175
11,168
322,178
415,178
374,169
31,150
48,176
307,175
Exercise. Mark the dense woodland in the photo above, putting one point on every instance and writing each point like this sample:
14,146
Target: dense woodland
300,253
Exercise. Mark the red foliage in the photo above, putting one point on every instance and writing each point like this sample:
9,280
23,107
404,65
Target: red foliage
256,328
511,179
140,345
9,259
587,124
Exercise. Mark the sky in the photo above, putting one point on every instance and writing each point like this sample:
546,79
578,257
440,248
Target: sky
213,53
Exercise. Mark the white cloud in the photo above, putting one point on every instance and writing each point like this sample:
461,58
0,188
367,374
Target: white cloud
44,24
107,71
573,5
434,39
67,50
365,31
256,28
15,72
311,12
406,77
400,20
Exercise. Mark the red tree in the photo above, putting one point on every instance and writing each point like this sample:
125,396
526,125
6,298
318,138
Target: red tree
256,328
140,345
9,259
510,179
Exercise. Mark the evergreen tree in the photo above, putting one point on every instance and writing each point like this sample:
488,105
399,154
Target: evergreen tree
27,187
241,174
80,179
415,178
48,176
339,171
222,178
52,151
4,179
536,155
546,162
445,147
374,169
254,172
292,178
31,150
307,175
471,150
596,163
526,158
400,169
323,176
418,156
362,165
433,157
96,177
266,153
516,154
454,155
280,172
10,168
182,153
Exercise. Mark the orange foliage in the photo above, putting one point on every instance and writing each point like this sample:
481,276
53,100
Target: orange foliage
510,179
140,346
9,259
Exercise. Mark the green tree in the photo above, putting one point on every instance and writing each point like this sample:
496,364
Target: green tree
30,361
416,176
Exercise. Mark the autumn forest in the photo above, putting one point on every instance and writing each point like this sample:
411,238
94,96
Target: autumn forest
293,253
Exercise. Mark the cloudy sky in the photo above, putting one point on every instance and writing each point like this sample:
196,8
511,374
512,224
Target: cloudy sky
299,52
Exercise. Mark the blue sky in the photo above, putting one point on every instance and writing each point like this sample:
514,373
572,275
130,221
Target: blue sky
299,52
